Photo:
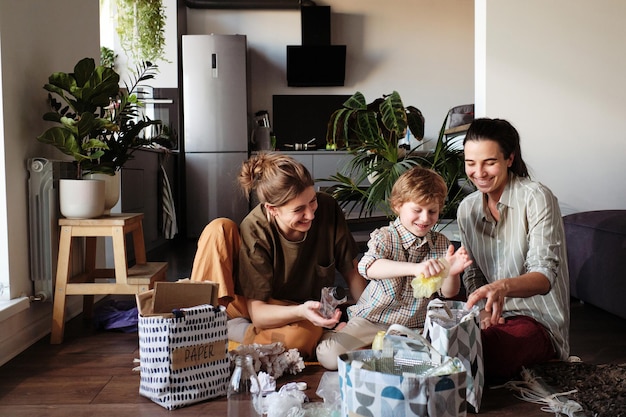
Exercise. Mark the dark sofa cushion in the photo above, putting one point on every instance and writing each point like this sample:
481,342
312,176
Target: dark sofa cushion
596,251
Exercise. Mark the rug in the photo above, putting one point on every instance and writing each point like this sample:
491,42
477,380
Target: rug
598,390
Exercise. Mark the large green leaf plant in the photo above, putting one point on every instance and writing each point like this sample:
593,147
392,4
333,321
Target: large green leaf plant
372,133
98,123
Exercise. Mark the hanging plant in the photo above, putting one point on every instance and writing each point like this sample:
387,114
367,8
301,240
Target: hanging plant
141,29
107,57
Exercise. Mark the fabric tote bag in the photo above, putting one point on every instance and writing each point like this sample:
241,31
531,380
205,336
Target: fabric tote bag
184,358
455,331
406,378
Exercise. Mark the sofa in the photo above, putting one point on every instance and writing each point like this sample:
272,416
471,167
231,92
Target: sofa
596,252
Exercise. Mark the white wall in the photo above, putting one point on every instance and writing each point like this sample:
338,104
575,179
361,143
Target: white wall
28,57
424,49
555,69
36,38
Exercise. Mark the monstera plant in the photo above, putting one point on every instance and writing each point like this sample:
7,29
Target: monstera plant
374,133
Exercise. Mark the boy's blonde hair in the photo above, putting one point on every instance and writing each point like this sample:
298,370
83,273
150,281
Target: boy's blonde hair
421,186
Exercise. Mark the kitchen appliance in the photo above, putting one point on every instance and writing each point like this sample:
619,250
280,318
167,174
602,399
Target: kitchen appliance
215,113
303,119
159,104
316,63
261,138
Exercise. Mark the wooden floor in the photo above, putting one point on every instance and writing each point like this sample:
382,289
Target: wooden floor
91,373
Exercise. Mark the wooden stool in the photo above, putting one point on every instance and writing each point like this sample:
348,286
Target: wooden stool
118,280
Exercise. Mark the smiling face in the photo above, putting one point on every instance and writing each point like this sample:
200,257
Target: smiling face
418,218
294,218
486,166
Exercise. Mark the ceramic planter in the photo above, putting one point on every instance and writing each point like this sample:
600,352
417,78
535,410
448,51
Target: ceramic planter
111,188
81,199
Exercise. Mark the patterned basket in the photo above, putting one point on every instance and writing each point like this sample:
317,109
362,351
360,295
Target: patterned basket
184,359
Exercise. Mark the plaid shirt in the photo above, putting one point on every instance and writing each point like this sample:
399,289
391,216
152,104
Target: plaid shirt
391,301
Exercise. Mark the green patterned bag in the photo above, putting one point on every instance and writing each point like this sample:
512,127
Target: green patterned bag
455,331
407,378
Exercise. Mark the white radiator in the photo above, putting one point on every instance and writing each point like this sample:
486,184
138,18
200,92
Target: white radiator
43,215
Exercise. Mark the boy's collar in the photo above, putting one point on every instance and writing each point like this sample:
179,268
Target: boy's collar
408,239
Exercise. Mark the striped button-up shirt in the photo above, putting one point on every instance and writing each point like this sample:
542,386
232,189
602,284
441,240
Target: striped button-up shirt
391,301
529,237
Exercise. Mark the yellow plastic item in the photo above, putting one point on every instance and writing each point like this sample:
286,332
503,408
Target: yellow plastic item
377,344
425,287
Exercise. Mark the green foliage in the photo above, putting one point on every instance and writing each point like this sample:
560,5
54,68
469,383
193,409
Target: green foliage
107,57
141,29
98,123
377,125
371,133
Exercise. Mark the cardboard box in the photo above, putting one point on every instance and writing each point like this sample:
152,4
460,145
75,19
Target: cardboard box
169,296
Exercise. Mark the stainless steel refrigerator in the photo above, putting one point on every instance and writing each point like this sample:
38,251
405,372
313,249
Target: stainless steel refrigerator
215,113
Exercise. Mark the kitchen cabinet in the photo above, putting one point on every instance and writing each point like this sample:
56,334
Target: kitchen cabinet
321,164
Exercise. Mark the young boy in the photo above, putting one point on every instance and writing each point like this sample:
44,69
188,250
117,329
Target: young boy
396,254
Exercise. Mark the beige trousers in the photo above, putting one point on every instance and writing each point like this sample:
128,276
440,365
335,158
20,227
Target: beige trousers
358,333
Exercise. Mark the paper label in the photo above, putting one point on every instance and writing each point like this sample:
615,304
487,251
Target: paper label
189,356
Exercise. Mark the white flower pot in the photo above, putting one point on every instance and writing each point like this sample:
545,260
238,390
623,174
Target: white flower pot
81,199
111,188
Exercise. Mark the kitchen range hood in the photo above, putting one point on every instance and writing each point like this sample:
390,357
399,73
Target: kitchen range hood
316,63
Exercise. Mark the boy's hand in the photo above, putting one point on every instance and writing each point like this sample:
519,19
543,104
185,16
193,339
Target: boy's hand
429,268
458,260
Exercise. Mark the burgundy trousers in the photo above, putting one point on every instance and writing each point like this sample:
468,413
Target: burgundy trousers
520,342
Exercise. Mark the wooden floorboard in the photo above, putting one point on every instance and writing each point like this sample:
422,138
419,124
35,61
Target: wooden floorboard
91,374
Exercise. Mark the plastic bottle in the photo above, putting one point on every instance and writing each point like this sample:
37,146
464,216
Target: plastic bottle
241,399
377,344
331,298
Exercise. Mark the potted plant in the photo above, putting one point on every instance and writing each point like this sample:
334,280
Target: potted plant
374,134
141,28
96,120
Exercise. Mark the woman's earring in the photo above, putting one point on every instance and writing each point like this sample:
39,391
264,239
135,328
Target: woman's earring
268,211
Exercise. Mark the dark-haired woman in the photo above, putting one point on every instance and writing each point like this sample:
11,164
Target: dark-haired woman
271,268
513,231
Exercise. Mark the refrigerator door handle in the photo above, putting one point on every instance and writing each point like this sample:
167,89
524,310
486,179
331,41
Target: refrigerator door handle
214,65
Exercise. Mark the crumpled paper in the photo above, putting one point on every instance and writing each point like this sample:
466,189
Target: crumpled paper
287,402
271,358
425,287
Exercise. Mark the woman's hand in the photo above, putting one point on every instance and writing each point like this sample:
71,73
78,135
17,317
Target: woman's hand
310,311
495,294
485,319
273,314
527,285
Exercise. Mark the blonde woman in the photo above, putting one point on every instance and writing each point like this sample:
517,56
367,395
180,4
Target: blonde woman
271,268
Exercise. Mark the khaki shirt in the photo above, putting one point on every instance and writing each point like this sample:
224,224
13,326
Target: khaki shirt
272,267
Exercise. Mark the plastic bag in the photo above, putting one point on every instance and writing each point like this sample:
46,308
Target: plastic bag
117,315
